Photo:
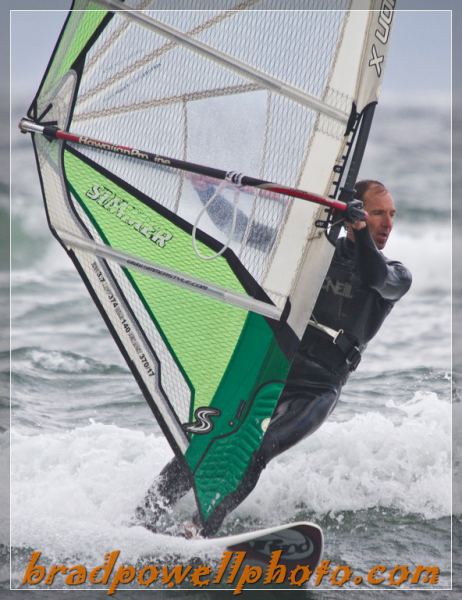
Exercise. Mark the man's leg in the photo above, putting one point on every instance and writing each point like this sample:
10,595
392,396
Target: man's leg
299,413
170,485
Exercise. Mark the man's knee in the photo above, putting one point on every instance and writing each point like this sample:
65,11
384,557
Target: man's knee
300,416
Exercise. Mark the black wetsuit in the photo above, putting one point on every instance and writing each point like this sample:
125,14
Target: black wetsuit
358,292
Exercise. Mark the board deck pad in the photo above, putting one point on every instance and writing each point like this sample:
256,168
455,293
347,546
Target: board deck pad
300,543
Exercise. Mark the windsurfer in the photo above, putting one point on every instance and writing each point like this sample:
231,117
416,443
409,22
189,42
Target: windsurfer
360,289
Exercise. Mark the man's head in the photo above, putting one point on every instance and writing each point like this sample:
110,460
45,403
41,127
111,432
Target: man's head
379,205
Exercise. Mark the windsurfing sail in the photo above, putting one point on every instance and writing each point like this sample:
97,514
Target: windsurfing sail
206,283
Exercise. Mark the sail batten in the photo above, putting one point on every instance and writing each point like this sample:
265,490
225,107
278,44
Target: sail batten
175,277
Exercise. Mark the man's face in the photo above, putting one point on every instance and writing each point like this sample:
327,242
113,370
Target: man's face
381,210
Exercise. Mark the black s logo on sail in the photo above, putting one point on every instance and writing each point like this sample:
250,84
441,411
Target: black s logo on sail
203,422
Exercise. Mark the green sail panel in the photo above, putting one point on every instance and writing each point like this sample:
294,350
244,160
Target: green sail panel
229,357
81,25
201,332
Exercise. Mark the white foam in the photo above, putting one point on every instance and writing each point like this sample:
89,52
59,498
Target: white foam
368,461
457,457
417,334
426,251
58,362
74,493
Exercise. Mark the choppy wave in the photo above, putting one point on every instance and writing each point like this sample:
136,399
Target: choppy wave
94,476
36,362
367,461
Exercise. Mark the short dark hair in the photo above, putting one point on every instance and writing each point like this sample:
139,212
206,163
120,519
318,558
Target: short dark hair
364,185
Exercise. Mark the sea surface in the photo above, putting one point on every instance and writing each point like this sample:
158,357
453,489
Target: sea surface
376,476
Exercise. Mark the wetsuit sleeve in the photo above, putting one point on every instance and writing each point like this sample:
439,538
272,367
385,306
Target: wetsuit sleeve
390,279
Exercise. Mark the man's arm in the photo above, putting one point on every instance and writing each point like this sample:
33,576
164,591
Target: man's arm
390,279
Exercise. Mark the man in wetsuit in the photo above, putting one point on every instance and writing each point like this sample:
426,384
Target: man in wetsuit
360,289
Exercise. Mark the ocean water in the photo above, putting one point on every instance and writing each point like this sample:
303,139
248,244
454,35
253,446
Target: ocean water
376,476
